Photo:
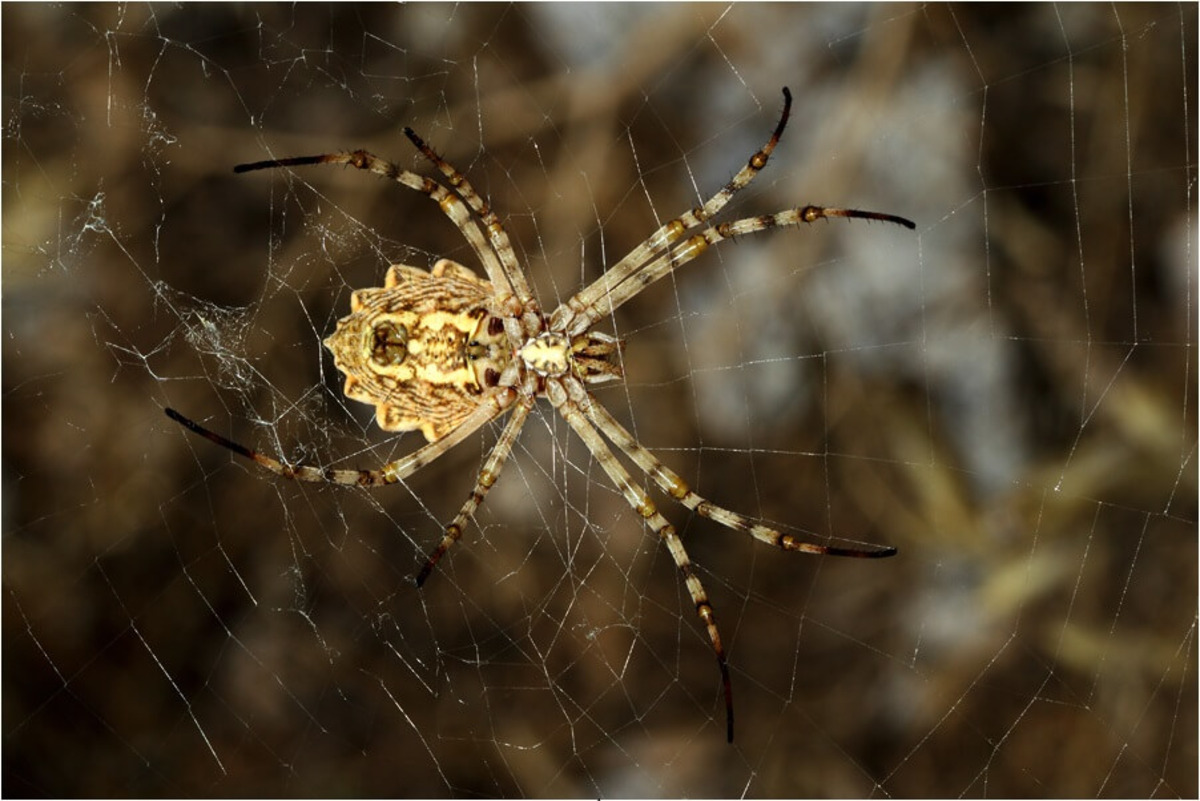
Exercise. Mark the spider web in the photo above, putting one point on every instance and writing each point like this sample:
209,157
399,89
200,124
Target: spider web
1007,396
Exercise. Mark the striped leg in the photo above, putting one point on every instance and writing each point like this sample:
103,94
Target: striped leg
491,223
658,242
670,483
449,203
641,503
390,473
669,261
487,477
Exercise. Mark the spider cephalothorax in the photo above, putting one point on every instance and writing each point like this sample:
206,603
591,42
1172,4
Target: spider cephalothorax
445,352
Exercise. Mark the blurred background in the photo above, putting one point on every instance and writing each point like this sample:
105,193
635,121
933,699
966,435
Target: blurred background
1007,395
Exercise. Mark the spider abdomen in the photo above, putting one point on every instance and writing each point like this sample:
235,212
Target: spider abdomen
423,348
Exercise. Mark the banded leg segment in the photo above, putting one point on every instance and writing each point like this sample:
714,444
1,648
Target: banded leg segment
672,484
390,473
585,301
641,503
491,223
669,261
487,477
448,202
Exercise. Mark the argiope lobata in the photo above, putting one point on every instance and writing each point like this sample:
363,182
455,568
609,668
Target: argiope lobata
446,352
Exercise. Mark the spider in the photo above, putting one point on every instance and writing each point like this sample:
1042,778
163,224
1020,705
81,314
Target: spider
445,352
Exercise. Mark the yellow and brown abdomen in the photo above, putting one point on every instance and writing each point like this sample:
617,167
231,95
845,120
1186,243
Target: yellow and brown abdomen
423,349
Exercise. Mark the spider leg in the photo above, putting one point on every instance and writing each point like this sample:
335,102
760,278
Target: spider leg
487,477
670,483
669,261
491,223
562,399
390,473
447,201
586,299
